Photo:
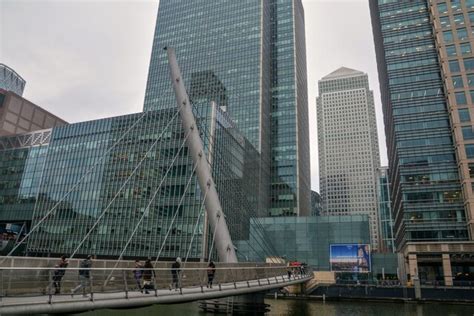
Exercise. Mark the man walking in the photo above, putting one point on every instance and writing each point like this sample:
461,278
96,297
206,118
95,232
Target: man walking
211,272
148,276
59,273
175,270
84,276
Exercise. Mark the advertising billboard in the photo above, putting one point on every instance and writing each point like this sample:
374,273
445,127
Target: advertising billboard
350,258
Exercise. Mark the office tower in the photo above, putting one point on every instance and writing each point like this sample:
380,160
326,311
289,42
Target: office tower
10,80
348,146
425,66
18,115
251,54
386,239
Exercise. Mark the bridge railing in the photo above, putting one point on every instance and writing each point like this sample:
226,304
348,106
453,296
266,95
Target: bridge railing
24,281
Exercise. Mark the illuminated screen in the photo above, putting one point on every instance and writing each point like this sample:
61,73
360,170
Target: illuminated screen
350,258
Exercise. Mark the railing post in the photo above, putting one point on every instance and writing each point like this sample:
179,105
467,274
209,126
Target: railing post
266,275
1,285
91,286
50,285
233,278
124,273
155,285
180,285
258,276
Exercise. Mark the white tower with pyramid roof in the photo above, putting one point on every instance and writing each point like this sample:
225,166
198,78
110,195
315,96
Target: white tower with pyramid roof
348,146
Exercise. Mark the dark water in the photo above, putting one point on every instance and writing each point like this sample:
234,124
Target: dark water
306,307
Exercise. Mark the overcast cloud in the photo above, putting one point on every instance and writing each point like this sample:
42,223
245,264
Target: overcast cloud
84,60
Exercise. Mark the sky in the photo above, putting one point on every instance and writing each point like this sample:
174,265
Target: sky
88,59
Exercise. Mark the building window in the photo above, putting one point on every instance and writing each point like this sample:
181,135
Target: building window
459,19
471,170
467,133
466,49
454,66
445,22
470,4
461,98
455,4
469,151
448,36
451,50
470,80
469,64
472,96
442,7
457,82
462,33
464,115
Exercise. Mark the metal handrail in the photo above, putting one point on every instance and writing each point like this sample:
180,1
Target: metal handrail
49,281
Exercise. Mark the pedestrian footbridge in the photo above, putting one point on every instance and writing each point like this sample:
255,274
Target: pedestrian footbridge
31,290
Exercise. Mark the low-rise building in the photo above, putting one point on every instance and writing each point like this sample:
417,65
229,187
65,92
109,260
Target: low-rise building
18,115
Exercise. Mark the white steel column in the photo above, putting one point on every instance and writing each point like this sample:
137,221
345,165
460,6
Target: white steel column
223,241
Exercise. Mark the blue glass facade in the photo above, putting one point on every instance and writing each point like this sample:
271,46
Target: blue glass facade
426,197
22,159
305,239
254,51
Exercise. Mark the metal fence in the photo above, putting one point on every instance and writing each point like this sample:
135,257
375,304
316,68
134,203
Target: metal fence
41,281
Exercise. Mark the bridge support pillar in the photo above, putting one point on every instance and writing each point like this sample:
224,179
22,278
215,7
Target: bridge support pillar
248,304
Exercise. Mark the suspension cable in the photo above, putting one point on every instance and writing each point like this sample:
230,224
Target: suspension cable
196,226
122,186
147,208
176,213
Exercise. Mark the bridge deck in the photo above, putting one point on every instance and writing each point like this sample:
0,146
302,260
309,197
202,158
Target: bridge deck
65,303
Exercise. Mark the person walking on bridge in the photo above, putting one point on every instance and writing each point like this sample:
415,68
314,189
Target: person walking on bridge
211,272
175,271
148,274
59,273
84,276
137,274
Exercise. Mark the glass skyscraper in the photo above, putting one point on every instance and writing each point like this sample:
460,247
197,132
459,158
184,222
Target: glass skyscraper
425,60
252,55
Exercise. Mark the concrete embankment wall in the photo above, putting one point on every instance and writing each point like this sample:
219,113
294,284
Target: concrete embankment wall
447,294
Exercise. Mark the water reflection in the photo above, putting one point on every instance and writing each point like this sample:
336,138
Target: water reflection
282,307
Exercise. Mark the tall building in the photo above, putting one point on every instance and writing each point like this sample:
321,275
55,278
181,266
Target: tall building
252,55
426,66
348,146
386,238
10,80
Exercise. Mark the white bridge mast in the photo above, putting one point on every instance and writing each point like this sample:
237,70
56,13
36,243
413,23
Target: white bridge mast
223,241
